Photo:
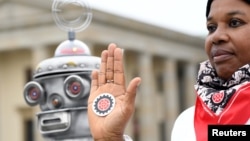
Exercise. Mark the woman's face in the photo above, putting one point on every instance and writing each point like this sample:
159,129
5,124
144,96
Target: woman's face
228,42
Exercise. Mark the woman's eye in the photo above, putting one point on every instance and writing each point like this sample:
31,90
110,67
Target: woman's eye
235,23
211,28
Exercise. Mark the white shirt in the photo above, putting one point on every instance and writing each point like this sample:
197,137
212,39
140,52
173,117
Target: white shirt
183,129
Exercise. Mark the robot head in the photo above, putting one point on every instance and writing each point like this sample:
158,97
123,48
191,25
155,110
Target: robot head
61,88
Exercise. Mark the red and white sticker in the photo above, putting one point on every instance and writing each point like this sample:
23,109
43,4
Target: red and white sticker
103,104
218,97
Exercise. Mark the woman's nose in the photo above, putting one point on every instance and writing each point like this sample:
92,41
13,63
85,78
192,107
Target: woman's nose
219,36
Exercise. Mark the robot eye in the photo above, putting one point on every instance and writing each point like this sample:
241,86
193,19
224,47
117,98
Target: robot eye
76,87
33,93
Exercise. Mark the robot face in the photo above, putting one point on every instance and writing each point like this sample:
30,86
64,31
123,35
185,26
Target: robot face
63,101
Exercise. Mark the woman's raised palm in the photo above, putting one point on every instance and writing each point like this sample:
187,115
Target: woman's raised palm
110,79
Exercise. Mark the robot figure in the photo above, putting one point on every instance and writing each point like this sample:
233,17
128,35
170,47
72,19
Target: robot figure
61,84
61,87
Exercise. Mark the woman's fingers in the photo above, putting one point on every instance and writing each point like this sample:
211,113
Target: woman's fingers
132,89
119,77
107,65
94,81
102,72
111,69
110,62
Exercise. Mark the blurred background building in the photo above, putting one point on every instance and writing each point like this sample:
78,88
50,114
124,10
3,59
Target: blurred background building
167,61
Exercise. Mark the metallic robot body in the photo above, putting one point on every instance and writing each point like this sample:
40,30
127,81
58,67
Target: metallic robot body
61,87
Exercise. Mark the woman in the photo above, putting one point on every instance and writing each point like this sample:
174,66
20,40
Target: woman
223,83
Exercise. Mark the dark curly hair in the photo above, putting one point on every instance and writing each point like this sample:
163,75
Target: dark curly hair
209,2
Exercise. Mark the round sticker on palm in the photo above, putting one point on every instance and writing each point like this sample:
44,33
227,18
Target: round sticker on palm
103,104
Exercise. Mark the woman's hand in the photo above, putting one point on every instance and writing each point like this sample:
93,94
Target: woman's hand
110,79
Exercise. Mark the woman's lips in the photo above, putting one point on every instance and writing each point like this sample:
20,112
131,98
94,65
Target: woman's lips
221,55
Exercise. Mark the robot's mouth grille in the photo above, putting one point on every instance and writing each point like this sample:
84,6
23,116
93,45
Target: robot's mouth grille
52,121
53,125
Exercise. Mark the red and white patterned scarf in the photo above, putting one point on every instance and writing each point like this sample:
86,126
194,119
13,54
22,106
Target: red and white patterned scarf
220,101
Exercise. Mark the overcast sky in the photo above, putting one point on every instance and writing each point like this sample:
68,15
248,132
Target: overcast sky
187,16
